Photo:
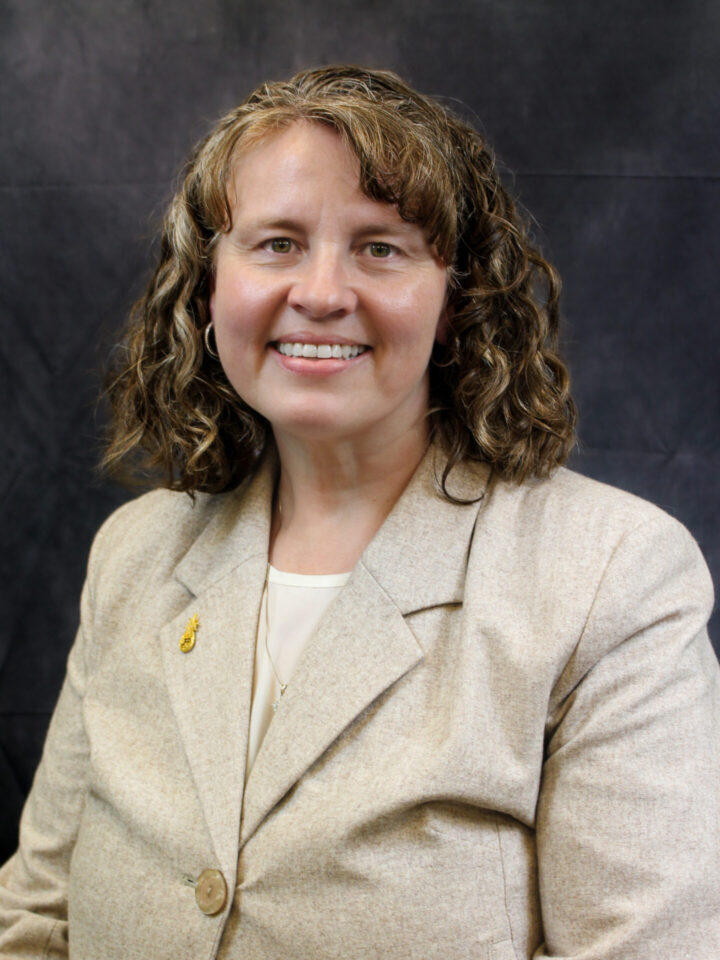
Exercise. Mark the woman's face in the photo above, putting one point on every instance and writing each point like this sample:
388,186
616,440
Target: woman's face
325,303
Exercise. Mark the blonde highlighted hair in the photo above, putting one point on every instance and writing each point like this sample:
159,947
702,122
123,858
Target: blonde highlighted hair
499,392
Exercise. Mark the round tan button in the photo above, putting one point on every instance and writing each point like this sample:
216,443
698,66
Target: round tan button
211,892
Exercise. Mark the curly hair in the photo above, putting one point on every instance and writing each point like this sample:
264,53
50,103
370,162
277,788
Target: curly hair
499,392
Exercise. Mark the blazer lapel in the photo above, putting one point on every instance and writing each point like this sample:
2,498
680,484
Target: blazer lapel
210,687
363,644
342,670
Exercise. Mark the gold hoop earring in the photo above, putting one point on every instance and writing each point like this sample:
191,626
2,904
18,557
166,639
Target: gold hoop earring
206,339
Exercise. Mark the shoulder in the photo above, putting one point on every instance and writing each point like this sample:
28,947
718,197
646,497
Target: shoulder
567,569
573,538
565,524
161,516
152,531
580,513
579,498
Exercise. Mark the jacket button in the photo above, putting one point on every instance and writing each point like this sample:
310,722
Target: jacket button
211,892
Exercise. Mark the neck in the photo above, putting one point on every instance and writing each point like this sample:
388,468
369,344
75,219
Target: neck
332,498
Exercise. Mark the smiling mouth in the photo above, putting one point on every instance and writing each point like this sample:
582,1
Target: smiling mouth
320,351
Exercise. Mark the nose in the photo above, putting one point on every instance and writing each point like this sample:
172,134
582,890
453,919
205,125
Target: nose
321,288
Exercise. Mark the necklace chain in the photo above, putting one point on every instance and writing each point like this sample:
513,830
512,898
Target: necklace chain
266,597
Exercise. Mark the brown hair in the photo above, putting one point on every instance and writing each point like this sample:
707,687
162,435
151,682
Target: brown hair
498,391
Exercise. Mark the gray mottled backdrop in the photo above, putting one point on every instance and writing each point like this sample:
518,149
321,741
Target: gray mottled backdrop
605,113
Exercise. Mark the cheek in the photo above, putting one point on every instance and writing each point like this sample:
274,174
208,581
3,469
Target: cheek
415,331
232,315
423,312
244,309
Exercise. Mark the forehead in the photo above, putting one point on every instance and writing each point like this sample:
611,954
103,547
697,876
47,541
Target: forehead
297,156
305,166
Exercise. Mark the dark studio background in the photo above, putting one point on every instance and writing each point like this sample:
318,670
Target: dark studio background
605,112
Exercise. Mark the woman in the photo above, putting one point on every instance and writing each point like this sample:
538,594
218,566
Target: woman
390,682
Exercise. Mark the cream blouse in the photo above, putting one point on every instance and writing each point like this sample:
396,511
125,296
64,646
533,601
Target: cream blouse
291,609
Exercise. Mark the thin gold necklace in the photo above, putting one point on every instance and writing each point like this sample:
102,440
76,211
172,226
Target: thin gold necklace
266,597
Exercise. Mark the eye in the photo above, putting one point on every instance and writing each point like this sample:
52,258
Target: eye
279,245
379,250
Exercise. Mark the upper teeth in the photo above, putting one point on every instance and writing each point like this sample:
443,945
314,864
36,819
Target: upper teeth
322,351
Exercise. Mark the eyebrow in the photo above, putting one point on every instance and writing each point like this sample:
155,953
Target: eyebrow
294,226
393,229
278,224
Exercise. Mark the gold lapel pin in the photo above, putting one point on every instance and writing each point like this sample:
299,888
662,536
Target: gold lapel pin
187,640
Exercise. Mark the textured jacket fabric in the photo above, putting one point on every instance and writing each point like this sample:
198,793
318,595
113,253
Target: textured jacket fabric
501,743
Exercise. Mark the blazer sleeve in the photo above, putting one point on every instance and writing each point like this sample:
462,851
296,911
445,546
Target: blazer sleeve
34,882
628,821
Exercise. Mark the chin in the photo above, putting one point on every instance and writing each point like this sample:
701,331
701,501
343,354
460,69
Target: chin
314,429
312,419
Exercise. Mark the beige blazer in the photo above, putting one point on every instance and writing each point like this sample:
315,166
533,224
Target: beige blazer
501,743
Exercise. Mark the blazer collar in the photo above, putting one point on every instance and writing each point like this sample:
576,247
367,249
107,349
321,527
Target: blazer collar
420,553
416,556
417,559
237,530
